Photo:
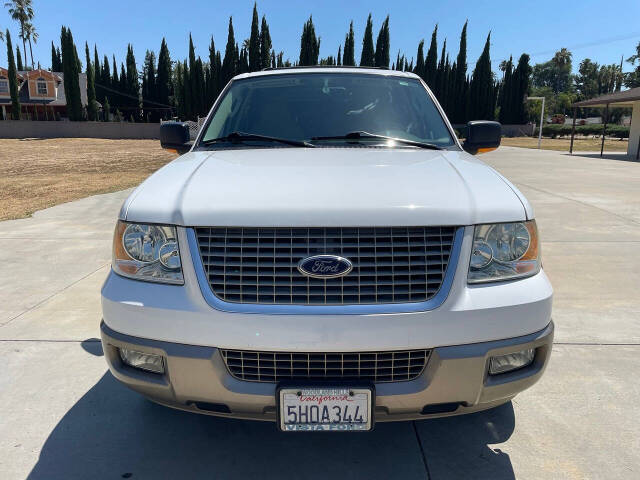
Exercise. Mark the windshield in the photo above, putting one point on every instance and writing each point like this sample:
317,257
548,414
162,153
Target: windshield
305,106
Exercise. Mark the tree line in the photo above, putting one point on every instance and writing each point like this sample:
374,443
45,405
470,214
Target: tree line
187,88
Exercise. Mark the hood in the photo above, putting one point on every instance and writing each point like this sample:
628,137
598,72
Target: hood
324,187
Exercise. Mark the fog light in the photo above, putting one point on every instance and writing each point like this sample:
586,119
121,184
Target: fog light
511,361
143,361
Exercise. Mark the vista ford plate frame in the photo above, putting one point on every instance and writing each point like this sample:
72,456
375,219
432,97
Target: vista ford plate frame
330,407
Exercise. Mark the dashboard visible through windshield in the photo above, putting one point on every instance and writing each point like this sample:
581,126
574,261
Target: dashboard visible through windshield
323,108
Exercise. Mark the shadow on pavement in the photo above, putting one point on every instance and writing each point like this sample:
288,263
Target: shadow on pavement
458,447
92,346
112,432
606,156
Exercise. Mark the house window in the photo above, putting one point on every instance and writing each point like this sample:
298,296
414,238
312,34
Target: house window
4,85
42,86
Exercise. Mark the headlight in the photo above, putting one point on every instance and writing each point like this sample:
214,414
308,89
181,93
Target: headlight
147,252
504,251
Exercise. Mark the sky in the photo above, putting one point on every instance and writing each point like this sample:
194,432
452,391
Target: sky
588,28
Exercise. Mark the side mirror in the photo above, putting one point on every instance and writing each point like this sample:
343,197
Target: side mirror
175,136
482,136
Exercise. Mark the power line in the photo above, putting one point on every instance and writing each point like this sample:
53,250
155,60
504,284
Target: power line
109,89
604,41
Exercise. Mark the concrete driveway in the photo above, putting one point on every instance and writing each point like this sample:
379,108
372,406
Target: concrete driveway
63,416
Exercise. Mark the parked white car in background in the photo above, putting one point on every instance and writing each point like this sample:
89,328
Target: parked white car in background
327,255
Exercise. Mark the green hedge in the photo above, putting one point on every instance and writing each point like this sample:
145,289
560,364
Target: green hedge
554,131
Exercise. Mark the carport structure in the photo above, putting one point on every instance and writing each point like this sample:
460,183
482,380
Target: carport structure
627,98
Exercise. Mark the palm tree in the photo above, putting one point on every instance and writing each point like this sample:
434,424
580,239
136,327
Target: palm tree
22,12
31,34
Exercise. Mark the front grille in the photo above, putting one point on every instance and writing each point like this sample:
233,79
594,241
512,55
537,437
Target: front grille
373,366
390,264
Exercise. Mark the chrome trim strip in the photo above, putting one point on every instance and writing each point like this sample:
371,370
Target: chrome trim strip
362,309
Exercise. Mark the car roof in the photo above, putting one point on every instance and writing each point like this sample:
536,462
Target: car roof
327,69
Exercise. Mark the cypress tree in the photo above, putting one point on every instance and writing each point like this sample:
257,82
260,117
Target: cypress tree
419,70
230,61
92,106
163,80
20,66
198,88
105,78
506,93
309,44
273,59
55,67
13,79
97,69
367,59
70,64
59,60
122,87
431,63
522,79
115,82
255,57
447,87
97,77
132,83
265,45
178,97
149,88
339,55
382,45
459,79
440,74
186,92
481,87
211,75
219,81
349,57
192,83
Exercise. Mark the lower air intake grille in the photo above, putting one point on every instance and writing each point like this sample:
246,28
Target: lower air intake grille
373,366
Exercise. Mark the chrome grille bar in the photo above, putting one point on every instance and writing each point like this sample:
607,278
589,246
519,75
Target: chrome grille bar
259,265
378,367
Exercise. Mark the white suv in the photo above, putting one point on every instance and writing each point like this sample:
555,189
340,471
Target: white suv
327,255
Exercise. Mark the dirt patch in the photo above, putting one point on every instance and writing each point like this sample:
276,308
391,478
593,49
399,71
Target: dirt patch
36,174
562,144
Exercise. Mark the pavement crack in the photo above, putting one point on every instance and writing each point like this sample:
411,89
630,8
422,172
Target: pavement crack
424,457
45,300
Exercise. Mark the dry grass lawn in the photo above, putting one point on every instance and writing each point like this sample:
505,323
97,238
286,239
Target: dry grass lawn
562,144
36,174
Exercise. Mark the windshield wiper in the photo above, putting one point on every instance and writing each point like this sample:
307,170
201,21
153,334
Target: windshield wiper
238,137
360,134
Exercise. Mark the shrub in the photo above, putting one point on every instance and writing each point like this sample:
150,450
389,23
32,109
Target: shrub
554,130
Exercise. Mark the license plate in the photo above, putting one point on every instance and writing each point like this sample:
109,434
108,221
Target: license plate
325,408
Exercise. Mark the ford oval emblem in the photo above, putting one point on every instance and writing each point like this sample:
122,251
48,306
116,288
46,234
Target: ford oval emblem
325,266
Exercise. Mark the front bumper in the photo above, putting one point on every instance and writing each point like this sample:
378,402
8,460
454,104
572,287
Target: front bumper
455,380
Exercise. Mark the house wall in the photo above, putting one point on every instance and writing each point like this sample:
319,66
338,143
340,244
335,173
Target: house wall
33,90
114,130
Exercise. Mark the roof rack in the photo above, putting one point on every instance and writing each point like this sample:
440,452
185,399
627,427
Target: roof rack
322,66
